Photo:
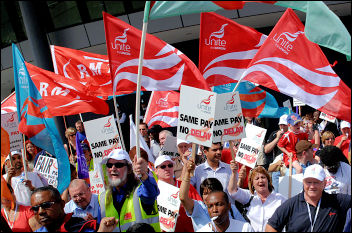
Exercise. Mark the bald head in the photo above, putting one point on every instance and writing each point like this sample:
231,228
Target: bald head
80,192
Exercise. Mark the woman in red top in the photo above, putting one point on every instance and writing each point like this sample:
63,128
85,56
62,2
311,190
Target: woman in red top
19,218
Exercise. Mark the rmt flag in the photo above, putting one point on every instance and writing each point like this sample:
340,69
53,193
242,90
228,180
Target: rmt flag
164,67
289,63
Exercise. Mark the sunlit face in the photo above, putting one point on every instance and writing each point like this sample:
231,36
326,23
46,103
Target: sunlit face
260,183
143,130
313,187
79,127
81,195
117,175
30,148
329,141
165,171
283,127
183,147
162,138
17,161
346,131
295,128
214,153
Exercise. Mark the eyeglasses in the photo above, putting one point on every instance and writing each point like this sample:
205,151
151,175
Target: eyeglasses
45,205
79,195
170,165
117,165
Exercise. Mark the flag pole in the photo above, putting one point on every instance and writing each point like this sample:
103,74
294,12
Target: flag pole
140,67
118,122
24,156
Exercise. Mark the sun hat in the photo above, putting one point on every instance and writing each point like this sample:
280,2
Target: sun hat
161,159
117,154
283,120
314,171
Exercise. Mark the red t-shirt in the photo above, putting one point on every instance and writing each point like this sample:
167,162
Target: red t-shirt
289,141
184,223
226,158
345,145
21,222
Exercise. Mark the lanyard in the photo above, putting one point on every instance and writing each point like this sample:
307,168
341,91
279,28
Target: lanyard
310,217
8,219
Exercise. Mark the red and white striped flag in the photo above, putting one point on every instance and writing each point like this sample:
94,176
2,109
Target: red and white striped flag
163,109
225,48
164,67
289,63
9,104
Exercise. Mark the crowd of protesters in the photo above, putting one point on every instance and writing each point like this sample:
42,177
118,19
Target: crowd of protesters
216,192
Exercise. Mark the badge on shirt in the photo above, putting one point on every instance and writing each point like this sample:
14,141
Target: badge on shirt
128,216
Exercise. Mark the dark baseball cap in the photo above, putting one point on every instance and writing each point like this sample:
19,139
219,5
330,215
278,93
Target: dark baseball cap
155,129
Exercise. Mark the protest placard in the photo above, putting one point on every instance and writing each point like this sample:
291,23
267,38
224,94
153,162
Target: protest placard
47,166
206,117
297,184
168,206
170,147
287,104
256,133
248,152
297,102
96,180
9,122
327,117
102,136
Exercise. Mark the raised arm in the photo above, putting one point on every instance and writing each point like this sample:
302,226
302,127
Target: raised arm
186,201
232,187
270,146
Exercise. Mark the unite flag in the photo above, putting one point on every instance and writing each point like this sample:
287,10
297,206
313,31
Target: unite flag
164,67
163,109
289,63
35,121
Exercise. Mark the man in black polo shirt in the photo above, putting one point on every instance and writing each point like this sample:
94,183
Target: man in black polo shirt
313,209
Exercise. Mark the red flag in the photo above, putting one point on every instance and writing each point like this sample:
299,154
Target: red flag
289,63
164,67
90,69
163,109
64,96
225,48
9,104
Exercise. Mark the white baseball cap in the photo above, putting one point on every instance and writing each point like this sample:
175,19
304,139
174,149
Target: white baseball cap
345,124
179,141
283,120
161,159
117,154
16,152
314,171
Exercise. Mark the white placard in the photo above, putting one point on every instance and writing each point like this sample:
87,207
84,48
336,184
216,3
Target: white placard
170,147
248,152
206,117
256,133
287,104
297,102
327,117
297,184
9,122
96,180
48,167
168,206
102,136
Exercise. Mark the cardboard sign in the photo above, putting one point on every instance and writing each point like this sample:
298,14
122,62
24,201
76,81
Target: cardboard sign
327,117
96,180
256,133
9,122
48,167
297,184
102,136
168,206
206,117
170,147
248,152
287,104
297,102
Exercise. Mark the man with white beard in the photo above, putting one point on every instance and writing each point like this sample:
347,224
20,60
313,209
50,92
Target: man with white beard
131,195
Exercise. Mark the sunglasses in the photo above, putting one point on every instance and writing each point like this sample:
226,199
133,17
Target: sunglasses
45,205
329,139
170,165
117,165
72,135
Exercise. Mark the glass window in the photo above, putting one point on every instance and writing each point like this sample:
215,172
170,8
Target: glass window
64,13
95,9
115,7
138,5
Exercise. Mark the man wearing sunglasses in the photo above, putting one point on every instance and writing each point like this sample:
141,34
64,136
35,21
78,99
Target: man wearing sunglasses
131,193
48,208
164,168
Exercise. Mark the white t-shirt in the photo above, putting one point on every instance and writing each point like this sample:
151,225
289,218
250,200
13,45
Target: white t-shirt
235,226
339,182
22,192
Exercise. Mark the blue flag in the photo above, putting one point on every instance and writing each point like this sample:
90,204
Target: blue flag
255,102
35,120
82,168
